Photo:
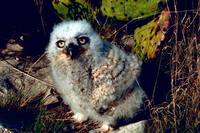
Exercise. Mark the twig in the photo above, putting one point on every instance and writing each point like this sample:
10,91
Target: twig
36,62
158,73
193,20
152,14
174,96
39,4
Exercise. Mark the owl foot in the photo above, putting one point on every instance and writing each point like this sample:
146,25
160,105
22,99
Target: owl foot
79,117
104,128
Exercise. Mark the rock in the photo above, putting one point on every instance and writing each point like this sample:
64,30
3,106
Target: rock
28,85
12,48
1,126
50,98
138,127
5,130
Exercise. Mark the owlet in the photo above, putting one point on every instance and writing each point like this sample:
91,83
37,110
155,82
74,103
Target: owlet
94,77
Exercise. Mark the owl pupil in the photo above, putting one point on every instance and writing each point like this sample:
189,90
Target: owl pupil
82,40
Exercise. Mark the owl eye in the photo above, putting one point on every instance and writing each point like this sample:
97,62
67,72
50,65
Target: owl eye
60,43
83,40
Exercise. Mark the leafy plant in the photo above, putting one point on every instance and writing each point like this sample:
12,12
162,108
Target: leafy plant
148,37
129,9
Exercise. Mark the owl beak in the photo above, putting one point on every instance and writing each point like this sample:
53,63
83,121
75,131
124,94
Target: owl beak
73,50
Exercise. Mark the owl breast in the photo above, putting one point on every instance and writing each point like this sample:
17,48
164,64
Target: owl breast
75,75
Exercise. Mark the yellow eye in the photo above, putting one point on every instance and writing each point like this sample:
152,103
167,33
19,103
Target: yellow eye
82,40
60,43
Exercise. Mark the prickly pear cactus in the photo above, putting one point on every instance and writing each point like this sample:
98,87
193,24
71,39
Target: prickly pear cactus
128,9
148,37
73,10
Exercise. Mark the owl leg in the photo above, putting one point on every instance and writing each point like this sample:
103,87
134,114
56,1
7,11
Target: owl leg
80,117
78,109
79,113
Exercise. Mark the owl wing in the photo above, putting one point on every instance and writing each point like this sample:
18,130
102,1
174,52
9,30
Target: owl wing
113,76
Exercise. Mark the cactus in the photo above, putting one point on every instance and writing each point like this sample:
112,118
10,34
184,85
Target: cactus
128,9
148,37
76,9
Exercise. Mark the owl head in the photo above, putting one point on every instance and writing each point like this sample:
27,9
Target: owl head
75,39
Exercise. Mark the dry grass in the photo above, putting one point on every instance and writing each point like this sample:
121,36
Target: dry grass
59,119
182,112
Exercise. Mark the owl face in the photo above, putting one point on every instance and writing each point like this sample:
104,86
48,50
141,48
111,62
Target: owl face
73,47
74,39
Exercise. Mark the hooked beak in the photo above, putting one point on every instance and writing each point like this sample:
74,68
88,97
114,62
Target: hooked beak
73,50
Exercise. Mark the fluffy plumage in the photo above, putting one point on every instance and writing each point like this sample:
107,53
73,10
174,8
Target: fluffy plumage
94,77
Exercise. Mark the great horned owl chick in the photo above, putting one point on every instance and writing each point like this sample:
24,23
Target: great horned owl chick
94,77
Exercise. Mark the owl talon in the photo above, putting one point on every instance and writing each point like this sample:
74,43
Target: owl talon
79,117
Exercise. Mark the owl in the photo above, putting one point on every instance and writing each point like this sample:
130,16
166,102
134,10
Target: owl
94,77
